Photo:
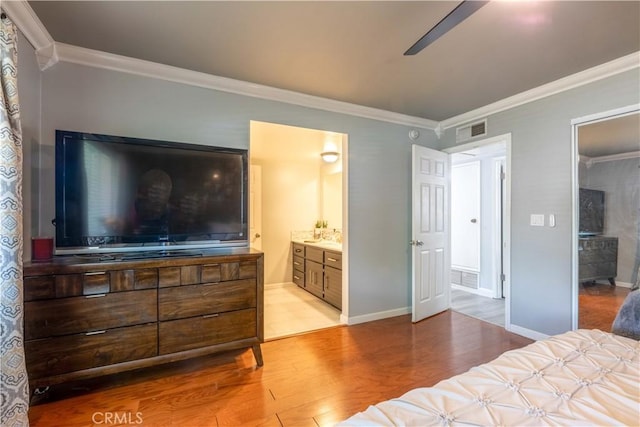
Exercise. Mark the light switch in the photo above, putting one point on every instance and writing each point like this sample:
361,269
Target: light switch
537,220
552,220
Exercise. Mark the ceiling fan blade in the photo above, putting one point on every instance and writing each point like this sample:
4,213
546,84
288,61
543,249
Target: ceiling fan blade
456,16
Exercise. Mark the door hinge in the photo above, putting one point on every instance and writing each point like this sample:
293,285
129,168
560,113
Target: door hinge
503,277
503,175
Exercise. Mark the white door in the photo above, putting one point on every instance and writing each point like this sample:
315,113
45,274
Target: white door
255,207
465,216
430,232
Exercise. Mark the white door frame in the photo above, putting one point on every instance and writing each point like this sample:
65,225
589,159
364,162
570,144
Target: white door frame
506,242
575,181
499,190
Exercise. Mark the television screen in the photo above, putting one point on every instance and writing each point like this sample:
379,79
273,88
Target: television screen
591,212
116,193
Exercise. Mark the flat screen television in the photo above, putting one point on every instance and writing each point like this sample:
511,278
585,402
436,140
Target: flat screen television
119,194
591,212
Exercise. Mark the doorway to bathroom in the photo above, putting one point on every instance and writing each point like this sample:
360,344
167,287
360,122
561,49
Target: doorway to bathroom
293,188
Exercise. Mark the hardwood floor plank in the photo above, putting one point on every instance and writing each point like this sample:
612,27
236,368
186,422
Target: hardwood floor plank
314,379
599,304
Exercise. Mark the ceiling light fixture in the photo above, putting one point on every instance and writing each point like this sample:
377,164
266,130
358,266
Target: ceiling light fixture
330,156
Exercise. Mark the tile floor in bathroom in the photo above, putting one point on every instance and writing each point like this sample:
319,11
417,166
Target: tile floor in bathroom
289,310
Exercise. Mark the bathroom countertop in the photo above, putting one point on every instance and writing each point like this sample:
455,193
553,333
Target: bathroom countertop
324,244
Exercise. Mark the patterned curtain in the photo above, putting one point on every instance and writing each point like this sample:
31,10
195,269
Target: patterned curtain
14,385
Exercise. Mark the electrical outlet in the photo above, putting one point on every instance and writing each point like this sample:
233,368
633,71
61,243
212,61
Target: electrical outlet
537,220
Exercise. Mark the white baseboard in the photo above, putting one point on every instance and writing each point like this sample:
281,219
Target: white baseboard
480,291
378,316
528,333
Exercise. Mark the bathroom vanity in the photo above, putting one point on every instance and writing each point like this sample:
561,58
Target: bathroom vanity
317,268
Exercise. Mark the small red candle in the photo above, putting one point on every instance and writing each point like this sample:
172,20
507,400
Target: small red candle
41,248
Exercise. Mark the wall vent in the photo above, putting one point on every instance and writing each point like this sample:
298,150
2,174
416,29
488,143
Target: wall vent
465,278
467,132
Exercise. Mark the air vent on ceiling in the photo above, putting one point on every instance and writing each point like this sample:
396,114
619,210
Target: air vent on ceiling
464,133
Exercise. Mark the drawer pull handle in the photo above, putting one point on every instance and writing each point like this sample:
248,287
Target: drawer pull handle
95,333
208,316
95,296
296,277
332,259
296,263
94,273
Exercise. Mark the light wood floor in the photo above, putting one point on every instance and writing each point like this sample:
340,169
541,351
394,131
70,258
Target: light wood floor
484,308
314,379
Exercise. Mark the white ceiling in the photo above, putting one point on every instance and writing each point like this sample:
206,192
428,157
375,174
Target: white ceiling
353,51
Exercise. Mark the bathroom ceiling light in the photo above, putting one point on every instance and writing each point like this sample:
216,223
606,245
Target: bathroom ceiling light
329,156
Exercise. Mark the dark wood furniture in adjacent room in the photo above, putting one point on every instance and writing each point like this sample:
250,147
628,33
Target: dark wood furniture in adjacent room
597,259
85,317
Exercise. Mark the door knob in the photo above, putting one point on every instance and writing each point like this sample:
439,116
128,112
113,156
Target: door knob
416,242
257,235
473,220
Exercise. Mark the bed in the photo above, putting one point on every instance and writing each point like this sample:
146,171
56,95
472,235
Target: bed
583,377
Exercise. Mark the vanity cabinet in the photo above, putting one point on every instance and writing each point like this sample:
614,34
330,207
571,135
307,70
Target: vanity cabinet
314,276
85,318
321,272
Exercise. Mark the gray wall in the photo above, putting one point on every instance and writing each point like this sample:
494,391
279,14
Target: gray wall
541,182
620,180
29,93
89,99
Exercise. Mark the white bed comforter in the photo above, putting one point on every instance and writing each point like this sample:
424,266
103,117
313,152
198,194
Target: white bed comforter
584,377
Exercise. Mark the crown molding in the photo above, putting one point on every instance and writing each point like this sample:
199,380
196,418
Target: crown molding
582,78
28,22
32,28
590,161
49,52
94,58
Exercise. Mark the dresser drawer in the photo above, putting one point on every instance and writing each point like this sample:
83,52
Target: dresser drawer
197,300
597,270
186,334
54,356
333,259
65,316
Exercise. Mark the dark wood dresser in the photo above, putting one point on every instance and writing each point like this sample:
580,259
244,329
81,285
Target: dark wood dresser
597,259
85,317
